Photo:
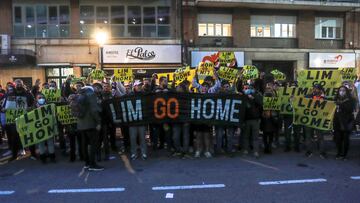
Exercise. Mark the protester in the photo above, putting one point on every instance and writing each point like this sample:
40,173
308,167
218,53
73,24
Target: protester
343,121
49,143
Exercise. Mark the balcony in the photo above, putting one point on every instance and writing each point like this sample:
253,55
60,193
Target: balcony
17,57
325,5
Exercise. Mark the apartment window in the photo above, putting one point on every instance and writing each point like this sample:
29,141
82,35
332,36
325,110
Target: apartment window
126,21
273,26
328,28
214,25
41,21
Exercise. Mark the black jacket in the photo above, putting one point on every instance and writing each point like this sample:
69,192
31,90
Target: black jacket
344,118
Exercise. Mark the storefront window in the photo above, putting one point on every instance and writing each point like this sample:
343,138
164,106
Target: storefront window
41,21
163,15
134,15
214,25
58,74
149,15
117,15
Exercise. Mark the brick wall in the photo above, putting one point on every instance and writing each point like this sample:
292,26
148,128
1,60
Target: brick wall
241,27
6,17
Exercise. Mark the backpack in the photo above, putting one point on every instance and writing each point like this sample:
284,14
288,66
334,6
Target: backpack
78,104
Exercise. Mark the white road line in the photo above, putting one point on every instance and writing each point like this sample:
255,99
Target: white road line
88,190
188,187
281,182
355,177
9,192
169,195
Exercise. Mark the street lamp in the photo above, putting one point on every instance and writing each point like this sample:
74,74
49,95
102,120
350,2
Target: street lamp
101,38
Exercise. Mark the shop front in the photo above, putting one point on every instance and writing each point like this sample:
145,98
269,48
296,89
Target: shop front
143,59
332,60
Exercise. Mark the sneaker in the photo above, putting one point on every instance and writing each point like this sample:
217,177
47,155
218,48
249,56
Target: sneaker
23,152
323,155
96,168
256,155
133,157
308,154
86,167
197,154
208,155
144,156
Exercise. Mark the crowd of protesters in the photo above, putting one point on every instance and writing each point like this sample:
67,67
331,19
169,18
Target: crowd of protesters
93,137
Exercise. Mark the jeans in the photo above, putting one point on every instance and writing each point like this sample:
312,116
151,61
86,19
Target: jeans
104,138
181,131
15,143
89,137
136,131
314,140
251,134
342,139
74,138
50,146
224,134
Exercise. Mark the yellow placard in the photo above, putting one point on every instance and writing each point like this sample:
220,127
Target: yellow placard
325,78
12,114
313,113
348,74
205,69
182,74
37,125
228,73
123,75
52,95
280,76
227,59
271,103
250,72
64,116
97,74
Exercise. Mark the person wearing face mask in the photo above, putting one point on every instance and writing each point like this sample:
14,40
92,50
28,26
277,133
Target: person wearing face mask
254,103
343,121
314,138
17,98
41,101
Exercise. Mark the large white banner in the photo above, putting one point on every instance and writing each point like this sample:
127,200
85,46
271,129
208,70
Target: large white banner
197,57
332,60
142,54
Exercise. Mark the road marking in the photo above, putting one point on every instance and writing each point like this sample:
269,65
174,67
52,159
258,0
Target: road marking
9,192
188,187
19,172
57,191
260,164
281,182
355,177
169,195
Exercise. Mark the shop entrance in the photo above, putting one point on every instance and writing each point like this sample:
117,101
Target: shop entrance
286,67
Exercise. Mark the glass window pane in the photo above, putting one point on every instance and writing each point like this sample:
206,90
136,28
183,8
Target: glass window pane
134,15
117,15
85,72
149,31
259,31
102,14
149,15
218,29
52,72
87,14
253,31
30,18
164,31
117,30
323,32
163,15
41,14
66,71
86,30
64,31
202,29
277,30
210,30
227,30
53,30
30,31
53,15
41,31
338,33
64,16
18,14
284,30
292,30
134,31
331,32
19,31
267,32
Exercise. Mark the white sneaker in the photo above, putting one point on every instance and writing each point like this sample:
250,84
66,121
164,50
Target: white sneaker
197,154
23,152
208,155
256,155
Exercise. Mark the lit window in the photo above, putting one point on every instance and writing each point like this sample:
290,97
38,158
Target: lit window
328,28
273,26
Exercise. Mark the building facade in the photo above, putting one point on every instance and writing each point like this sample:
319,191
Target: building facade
50,39
288,35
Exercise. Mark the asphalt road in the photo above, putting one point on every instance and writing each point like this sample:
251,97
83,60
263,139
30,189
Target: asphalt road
280,177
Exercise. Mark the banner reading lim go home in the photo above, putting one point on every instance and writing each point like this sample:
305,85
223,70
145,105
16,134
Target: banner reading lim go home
210,109
332,60
142,54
